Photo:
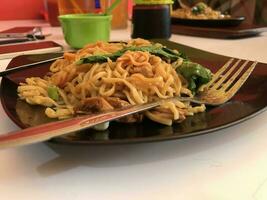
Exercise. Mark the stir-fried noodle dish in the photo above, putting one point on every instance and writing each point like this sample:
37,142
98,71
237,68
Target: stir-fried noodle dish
199,11
106,76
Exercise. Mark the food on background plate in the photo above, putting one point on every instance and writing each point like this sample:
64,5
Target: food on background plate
106,76
198,11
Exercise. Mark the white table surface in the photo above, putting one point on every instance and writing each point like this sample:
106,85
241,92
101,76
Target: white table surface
229,164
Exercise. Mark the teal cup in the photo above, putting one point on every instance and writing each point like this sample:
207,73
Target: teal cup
81,29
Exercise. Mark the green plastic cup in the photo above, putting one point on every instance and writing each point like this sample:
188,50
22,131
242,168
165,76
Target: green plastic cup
81,29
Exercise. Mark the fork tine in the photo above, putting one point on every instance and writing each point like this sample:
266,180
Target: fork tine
231,92
233,77
226,75
219,72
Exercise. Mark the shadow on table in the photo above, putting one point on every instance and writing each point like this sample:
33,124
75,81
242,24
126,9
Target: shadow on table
71,156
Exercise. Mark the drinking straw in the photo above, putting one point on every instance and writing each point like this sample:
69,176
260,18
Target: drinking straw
76,6
97,6
97,2
111,8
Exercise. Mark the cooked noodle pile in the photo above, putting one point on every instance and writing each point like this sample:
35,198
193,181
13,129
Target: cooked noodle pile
199,11
136,77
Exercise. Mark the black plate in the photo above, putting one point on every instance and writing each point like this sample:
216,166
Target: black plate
248,102
234,21
242,31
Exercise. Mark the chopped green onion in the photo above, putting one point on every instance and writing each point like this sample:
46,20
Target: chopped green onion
53,92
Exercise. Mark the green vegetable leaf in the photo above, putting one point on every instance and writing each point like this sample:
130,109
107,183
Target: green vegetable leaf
163,52
198,8
53,92
93,59
195,74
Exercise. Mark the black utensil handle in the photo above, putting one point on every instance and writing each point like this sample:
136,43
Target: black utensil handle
27,66
10,41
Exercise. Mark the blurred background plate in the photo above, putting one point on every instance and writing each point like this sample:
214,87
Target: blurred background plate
248,102
253,10
234,21
241,31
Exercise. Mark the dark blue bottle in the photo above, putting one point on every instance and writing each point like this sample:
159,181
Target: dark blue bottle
151,21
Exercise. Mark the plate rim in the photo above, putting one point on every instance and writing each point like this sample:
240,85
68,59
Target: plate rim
238,18
218,23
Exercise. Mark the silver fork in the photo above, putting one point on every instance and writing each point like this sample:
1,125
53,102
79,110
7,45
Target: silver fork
224,84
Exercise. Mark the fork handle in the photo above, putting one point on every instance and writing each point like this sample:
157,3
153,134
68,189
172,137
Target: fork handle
47,131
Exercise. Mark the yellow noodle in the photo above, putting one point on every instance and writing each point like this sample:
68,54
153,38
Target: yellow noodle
135,77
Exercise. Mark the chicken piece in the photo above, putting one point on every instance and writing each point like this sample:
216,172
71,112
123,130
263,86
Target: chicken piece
94,105
100,104
118,103
138,117
147,72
